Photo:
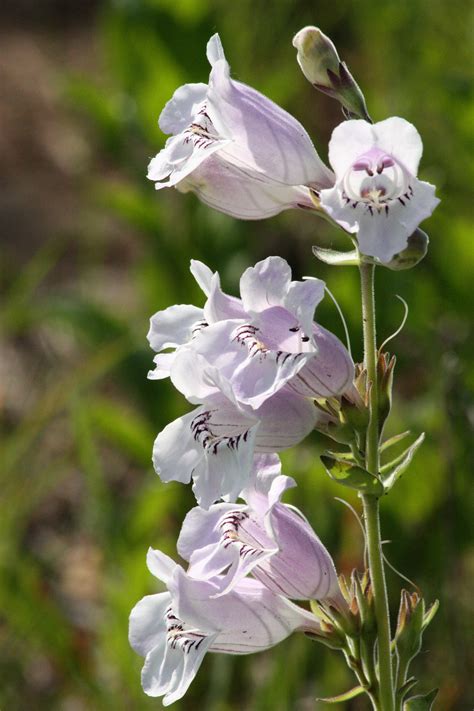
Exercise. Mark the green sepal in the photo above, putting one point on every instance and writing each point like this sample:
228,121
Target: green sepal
331,641
335,258
392,471
429,614
351,475
346,696
421,703
348,93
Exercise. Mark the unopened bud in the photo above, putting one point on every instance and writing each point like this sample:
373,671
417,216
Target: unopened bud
321,65
410,625
385,367
414,252
316,54
363,594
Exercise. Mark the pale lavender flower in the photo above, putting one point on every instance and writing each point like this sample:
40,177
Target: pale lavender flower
265,537
214,444
173,630
377,194
241,153
261,342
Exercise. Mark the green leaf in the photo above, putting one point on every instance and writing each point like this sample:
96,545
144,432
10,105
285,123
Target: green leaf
405,689
341,456
351,694
394,440
421,703
392,472
338,259
351,475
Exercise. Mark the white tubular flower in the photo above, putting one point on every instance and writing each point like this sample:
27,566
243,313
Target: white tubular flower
241,153
174,630
265,537
377,194
261,342
214,444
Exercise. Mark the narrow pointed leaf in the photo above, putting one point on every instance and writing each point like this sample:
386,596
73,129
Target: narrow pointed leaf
352,476
431,612
339,259
393,440
393,471
351,694
342,456
421,703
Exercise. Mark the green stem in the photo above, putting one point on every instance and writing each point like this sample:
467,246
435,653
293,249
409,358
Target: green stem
371,503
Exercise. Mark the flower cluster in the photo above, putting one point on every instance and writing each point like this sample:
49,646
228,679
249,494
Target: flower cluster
215,605
260,372
253,366
245,156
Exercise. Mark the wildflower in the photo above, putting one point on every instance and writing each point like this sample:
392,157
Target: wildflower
241,153
173,630
214,444
261,342
377,194
270,539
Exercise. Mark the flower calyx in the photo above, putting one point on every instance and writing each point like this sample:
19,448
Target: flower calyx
347,417
413,619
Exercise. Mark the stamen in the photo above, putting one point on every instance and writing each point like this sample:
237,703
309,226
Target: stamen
385,162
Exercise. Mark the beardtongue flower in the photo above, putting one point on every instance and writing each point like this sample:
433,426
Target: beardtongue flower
214,444
261,342
174,630
228,189
240,152
264,537
377,194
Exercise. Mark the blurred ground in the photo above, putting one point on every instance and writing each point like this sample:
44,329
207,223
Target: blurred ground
89,252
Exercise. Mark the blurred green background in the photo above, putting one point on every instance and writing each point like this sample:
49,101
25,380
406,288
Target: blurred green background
90,251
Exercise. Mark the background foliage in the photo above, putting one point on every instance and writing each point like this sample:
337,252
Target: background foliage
90,252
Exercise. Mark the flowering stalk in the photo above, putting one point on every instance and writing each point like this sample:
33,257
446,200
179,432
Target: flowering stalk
370,502
263,374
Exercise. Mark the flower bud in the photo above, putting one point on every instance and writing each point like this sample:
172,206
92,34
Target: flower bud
385,367
316,54
410,625
320,63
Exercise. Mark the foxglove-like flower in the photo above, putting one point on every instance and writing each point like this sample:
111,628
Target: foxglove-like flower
377,194
241,153
174,630
215,443
261,342
270,539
